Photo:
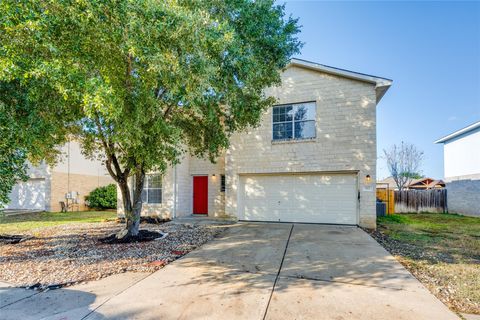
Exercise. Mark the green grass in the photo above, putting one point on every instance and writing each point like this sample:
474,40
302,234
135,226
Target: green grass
444,248
452,234
27,222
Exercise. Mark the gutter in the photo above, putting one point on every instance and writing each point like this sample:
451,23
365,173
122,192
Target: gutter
459,132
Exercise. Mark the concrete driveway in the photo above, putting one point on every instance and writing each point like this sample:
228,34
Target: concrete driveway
259,271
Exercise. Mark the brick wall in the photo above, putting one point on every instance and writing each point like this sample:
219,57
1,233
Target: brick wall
60,183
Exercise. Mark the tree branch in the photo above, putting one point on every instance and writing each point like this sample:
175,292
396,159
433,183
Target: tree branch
167,112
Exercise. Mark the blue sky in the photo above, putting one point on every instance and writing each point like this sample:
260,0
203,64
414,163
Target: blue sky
430,49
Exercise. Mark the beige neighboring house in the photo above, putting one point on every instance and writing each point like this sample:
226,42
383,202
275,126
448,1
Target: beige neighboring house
312,158
47,186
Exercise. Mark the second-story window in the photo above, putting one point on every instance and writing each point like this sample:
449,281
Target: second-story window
294,121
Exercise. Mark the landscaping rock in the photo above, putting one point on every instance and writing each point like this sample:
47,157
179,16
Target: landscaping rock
72,253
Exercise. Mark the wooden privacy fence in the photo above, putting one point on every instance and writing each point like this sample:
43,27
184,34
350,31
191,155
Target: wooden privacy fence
433,200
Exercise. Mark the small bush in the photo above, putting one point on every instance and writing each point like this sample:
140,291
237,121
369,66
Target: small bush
103,197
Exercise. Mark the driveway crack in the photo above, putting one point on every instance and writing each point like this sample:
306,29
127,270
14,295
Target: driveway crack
114,295
278,273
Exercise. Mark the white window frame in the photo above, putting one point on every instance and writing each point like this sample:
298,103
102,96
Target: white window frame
294,109
146,188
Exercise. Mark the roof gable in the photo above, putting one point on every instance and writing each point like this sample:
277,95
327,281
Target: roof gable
381,84
458,133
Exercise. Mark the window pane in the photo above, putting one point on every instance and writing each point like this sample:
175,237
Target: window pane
305,111
154,181
304,129
304,115
288,113
222,183
282,131
288,130
277,131
154,195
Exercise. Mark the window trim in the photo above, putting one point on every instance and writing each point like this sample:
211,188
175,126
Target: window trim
294,104
146,188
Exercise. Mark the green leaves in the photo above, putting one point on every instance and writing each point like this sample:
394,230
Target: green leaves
143,81
103,197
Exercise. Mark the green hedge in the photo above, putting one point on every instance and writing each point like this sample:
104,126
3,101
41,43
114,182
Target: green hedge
103,197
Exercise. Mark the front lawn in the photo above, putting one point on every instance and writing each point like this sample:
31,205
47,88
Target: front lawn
28,222
441,250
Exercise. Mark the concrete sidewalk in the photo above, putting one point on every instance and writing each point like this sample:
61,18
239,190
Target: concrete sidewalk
253,271
75,302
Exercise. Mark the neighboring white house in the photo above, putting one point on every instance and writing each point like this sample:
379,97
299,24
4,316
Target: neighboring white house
47,186
462,169
311,159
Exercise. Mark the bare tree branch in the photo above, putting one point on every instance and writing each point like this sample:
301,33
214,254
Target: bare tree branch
403,162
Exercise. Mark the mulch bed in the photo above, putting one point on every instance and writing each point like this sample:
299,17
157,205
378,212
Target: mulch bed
143,236
12,239
72,253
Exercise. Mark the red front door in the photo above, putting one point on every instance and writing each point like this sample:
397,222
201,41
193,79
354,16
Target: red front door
200,195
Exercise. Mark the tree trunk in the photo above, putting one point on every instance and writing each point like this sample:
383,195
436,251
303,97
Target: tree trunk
131,207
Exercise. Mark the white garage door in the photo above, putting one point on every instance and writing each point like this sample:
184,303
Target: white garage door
28,195
315,198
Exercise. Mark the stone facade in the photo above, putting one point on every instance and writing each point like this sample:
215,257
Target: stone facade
345,142
345,138
181,176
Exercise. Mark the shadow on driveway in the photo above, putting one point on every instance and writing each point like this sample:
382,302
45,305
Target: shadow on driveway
325,272
254,271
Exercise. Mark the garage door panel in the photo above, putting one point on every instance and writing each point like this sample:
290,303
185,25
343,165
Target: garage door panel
299,198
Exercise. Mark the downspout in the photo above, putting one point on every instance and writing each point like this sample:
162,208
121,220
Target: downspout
174,215
68,166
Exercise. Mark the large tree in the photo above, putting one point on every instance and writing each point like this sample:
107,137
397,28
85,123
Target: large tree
403,162
141,82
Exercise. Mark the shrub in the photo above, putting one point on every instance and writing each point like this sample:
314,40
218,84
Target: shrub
103,197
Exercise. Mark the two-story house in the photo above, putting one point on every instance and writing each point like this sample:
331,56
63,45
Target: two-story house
312,158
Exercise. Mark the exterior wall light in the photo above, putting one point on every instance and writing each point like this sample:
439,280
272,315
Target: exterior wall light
368,179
